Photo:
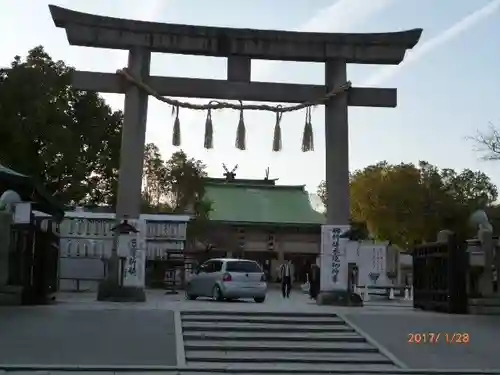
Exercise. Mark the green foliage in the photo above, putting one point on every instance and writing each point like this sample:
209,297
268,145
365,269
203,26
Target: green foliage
185,184
66,138
405,203
176,185
155,181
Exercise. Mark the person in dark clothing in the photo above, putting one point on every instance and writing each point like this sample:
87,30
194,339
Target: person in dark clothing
286,279
314,281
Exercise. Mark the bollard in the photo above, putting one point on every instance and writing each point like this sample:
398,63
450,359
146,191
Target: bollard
366,294
391,293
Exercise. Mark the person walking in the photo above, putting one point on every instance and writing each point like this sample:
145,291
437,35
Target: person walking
286,278
314,281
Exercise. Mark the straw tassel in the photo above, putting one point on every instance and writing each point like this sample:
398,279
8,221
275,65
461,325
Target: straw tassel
277,131
209,131
241,132
176,135
307,137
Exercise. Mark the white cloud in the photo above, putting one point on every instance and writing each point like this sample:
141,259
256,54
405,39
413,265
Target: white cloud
457,29
344,15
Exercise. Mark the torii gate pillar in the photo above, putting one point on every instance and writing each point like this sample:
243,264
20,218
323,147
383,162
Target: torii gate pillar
337,147
239,46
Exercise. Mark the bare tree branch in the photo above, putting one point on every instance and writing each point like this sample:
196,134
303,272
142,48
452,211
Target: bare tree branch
488,143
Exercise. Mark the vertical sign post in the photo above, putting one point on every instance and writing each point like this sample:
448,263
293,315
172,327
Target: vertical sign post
333,260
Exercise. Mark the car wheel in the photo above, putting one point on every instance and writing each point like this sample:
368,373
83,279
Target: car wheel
217,294
259,299
189,296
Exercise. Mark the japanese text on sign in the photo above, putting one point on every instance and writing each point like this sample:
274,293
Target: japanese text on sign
132,260
335,254
132,266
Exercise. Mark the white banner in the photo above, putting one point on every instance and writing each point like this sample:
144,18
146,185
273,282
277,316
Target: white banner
333,260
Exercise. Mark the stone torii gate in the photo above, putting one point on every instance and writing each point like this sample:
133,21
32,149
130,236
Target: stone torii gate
239,46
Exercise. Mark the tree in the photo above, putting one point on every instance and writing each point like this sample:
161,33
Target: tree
488,143
406,203
187,193
155,181
175,185
67,139
185,183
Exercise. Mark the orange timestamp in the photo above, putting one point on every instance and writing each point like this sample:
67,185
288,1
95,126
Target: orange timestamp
459,338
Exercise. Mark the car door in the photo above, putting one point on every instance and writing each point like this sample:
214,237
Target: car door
214,274
197,281
204,285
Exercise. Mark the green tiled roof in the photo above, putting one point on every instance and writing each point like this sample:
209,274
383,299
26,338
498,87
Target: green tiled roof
261,204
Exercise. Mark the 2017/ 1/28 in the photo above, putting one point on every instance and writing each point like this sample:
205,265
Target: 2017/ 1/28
438,337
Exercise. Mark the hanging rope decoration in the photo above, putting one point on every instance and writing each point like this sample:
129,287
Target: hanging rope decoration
176,135
241,132
277,131
307,135
209,131
240,143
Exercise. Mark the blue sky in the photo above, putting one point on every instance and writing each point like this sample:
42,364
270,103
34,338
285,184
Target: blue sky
448,89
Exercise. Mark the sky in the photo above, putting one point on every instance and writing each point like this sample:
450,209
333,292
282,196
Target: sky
448,86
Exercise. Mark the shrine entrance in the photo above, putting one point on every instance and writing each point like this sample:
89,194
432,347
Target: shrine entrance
239,46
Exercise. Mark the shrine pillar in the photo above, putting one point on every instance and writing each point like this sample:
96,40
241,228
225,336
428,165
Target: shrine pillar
337,147
333,257
129,197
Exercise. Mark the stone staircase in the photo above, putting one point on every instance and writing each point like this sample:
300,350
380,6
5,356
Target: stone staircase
288,341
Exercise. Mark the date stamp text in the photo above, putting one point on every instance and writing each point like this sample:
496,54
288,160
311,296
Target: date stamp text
449,338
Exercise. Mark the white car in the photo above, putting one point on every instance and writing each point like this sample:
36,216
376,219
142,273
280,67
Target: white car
227,278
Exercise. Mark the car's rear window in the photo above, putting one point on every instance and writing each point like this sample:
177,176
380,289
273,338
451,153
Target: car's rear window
243,266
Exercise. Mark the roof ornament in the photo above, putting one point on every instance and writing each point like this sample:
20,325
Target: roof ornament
230,176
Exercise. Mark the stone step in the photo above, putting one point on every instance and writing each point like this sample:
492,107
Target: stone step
259,313
225,369
316,372
340,336
284,346
309,372
292,369
263,319
285,357
484,310
252,327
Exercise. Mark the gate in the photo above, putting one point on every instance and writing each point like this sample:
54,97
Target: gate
439,277
34,259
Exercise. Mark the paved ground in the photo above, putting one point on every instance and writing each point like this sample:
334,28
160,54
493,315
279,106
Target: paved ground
48,335
392,328
79,330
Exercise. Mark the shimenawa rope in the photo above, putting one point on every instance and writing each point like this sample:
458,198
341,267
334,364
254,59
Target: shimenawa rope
307,138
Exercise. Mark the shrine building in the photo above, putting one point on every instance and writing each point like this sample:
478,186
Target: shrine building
262,221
